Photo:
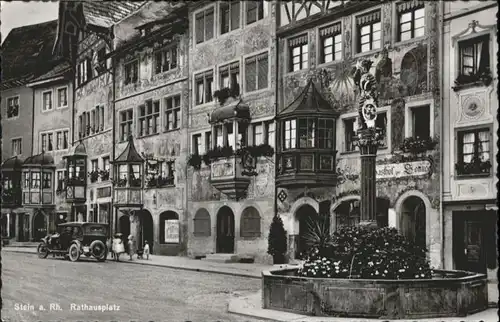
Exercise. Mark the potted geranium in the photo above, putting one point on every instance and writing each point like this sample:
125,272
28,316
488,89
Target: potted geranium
277,243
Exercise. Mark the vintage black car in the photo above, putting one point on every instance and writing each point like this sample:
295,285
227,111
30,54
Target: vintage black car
74,239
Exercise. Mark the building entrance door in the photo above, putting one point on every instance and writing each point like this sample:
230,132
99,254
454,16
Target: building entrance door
225,231
39,226
473,233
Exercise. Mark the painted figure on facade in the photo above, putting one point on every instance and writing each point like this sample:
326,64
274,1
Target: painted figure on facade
367,94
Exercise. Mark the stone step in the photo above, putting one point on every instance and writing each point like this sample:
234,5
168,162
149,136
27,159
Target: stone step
22,244
221,258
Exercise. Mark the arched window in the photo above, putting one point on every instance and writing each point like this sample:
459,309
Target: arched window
250,223
202,226
347,214
169,228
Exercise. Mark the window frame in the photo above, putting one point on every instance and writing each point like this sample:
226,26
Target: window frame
321,48
60,184
259,56
162,51
229,68
400,13
67,97
204,12
154,116
300,45
459,155
231,23
259,4
246,233
472,42
172,111
409,106
62,132
357,46
12,141
44,109
200,233
128,122
14,99
203,74
126,73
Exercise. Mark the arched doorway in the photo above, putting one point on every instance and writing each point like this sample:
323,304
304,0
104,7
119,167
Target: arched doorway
225,231
147,230
305,215
413,223
39,226
347,213
124,223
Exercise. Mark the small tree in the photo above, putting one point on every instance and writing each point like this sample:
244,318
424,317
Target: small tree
277,243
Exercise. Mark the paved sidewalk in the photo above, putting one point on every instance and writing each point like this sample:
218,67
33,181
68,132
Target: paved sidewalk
236,269
251,306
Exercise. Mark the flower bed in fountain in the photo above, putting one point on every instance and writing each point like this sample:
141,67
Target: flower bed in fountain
371,273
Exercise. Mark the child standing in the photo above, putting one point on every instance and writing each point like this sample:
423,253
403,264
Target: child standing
131,248
146,249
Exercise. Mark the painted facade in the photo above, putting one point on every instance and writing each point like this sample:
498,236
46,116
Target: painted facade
470,103
408,194
158,101
241,43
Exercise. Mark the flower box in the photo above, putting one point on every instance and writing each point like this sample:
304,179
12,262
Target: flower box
418,145
474,167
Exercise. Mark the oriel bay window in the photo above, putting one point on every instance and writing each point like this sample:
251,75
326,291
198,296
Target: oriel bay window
473,152
38,173
306,151
368,32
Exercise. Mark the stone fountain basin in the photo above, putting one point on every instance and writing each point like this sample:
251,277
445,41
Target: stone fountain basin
448,293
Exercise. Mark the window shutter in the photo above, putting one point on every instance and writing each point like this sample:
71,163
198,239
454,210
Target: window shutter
235,15
251,74
263,71
209,24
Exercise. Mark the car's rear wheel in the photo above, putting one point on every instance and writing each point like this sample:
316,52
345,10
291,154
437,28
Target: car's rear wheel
74,253
98,250
42,250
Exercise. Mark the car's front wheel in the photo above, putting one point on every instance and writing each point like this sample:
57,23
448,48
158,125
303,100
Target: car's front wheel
42,250
98,250
74,253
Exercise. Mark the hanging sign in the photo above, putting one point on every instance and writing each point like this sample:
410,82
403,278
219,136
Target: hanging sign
406,169
172,231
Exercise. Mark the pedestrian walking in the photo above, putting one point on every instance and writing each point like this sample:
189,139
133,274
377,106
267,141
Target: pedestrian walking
118,246
146,249
131,246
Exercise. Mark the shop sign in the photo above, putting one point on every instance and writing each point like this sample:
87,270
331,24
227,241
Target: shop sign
401,170
172,231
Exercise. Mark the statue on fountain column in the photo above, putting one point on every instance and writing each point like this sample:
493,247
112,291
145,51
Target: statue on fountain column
368,94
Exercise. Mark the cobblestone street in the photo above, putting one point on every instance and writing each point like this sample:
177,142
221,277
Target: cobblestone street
143,293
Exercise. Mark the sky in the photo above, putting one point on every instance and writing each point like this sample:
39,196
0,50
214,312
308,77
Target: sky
20,13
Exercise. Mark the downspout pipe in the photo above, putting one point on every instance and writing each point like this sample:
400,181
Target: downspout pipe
277,128
112,212
33,122
440,34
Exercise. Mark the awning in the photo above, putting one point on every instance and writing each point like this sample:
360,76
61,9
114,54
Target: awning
40,160
240,112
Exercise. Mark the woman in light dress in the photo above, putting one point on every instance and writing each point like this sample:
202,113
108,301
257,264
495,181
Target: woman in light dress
118,247
131,246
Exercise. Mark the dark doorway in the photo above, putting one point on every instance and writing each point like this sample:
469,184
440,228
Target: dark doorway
225,231
125,229
306,216
474,240
413,222
383,205
24,227
39,226
147,233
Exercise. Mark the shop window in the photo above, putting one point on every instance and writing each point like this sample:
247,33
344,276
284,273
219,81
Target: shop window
250,223
166,60
131,72
474,152
256,72
331,43
126,122
173,112
204,87
149,118
411,20
229,16
255,11
298,53
204,25
169,228
202,227
368,32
